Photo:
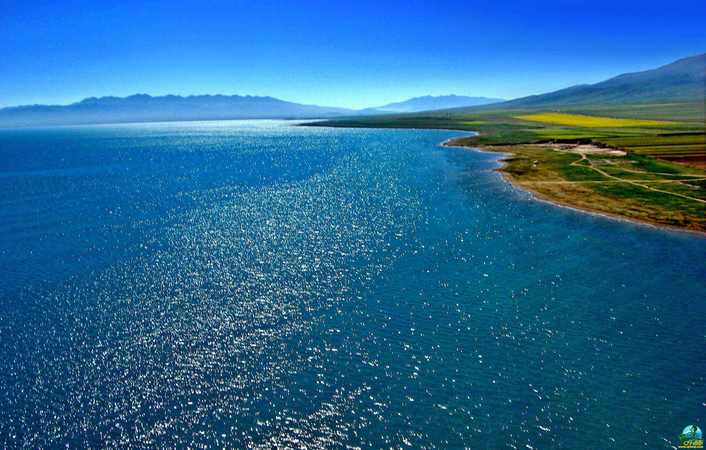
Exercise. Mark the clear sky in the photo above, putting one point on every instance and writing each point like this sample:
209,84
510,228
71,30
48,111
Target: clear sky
332,52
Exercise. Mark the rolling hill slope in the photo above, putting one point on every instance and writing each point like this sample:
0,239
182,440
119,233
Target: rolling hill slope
681,81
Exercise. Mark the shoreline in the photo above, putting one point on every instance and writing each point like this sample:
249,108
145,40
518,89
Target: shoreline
538,196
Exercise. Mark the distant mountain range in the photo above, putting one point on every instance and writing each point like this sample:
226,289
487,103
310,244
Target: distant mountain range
145,108
681,81
430,103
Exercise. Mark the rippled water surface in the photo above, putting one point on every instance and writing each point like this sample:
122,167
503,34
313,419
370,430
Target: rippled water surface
256,284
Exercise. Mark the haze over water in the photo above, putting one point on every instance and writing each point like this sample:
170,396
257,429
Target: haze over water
250,284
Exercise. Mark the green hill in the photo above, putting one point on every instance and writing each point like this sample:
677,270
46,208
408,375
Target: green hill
681,81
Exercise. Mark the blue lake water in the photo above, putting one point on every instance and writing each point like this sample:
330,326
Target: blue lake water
256,284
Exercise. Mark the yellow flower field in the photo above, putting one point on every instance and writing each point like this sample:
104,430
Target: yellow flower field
580,120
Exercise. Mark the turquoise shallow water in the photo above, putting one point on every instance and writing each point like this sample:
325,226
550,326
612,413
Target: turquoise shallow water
256,284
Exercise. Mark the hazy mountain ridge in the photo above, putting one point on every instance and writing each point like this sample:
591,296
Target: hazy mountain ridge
144,108
431,102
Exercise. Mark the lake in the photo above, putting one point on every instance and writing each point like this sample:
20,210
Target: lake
258,284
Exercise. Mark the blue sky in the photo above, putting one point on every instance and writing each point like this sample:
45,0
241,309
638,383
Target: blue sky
337,53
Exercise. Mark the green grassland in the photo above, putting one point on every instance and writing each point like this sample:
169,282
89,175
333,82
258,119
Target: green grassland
661,179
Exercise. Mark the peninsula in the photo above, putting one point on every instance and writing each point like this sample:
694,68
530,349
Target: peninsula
633,146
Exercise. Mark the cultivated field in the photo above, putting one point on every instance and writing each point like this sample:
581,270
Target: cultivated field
585,121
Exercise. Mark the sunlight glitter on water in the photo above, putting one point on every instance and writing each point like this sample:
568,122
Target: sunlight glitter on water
255,284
